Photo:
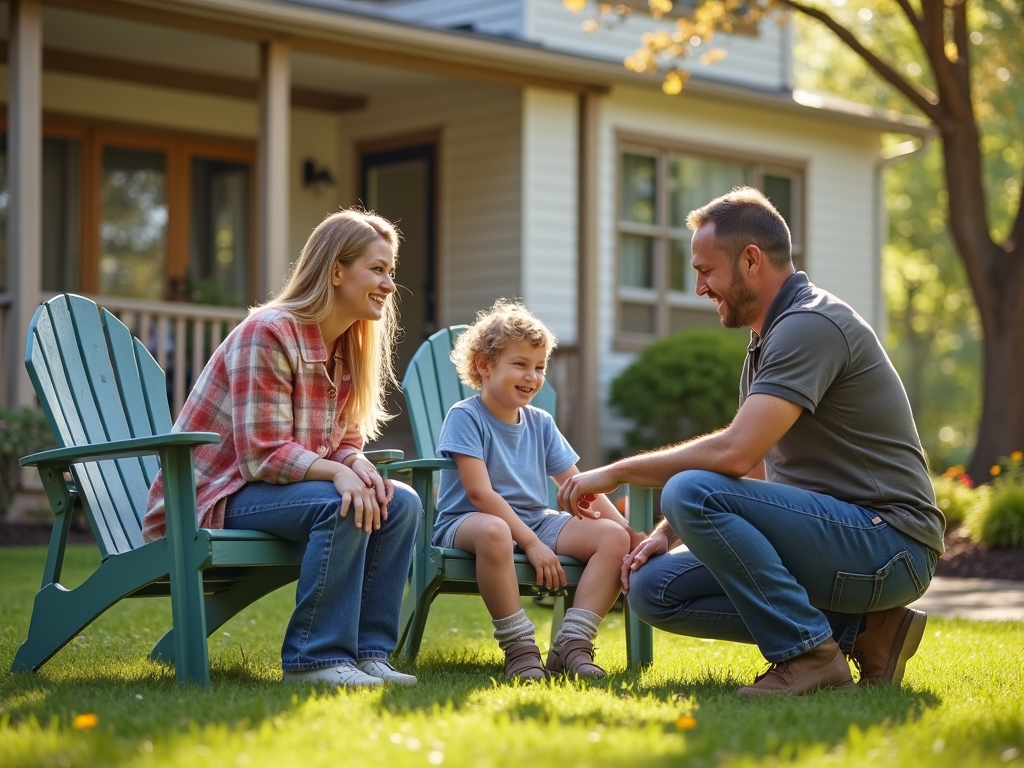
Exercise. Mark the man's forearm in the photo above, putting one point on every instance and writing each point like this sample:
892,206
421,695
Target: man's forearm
664,528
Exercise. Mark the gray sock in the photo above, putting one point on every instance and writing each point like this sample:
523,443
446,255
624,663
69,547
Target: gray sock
578,624
513,629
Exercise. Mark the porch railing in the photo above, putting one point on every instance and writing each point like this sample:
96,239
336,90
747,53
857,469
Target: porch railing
182,337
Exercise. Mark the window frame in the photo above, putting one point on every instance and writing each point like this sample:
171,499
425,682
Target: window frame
660,298
180,148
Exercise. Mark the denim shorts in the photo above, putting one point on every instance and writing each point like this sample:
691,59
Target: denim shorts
547,529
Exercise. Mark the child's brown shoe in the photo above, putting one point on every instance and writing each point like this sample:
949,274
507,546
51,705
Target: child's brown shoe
522,662
575,657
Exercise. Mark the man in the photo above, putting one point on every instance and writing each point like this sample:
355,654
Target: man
810,521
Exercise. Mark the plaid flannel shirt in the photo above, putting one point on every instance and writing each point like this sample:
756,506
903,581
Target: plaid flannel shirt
267,393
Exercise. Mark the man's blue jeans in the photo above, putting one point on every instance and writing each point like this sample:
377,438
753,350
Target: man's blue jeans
349,595
774,565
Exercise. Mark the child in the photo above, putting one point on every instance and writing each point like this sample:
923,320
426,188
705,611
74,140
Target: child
497,500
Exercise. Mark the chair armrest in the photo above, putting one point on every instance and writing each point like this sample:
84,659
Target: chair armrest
384,456
432,464
62,458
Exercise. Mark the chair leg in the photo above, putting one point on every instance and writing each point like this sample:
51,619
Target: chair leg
558,615
411,638
59,614
639,640
222,606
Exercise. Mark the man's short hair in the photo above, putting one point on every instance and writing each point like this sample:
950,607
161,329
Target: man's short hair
745,217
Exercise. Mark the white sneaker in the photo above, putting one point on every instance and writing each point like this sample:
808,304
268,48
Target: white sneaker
379,669
343,676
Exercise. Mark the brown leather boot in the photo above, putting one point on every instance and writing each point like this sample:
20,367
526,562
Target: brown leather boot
824,666
575,657
889,639
522,662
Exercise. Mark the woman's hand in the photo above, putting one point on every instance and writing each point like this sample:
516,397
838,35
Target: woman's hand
549,570
362,498
369,474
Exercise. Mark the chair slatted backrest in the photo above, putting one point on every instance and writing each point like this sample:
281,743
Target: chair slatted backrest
97,383
431,386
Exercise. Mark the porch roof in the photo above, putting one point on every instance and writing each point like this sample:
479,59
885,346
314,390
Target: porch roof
343,30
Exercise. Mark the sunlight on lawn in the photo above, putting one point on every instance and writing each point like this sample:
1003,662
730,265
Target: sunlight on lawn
961,704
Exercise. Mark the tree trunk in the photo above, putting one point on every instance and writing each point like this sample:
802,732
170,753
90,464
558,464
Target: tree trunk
996,275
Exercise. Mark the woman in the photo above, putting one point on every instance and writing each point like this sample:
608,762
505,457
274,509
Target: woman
294,391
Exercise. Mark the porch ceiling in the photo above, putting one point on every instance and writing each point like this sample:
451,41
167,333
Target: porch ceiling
114,48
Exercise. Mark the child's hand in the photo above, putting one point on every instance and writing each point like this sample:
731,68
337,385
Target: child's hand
549,571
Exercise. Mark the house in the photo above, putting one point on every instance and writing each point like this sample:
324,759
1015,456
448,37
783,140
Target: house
170,158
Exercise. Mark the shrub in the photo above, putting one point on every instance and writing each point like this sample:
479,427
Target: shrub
1001,522
957,498
22,431
683,385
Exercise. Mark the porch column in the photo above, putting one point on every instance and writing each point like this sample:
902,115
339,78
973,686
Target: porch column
24,180
586,436
274,151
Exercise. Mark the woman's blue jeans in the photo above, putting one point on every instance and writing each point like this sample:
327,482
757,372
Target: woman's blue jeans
349,595
774,565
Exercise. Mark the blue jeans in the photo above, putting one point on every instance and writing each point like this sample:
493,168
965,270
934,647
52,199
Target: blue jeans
349,595
774,565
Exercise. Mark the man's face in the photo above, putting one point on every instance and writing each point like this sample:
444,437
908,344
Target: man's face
720,277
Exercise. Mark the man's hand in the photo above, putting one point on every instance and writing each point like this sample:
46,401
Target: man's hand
577,494
655,544
549,570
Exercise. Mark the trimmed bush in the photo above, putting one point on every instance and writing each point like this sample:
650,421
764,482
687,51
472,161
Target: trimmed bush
683,385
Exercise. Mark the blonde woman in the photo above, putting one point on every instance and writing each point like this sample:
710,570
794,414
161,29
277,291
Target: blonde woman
294,391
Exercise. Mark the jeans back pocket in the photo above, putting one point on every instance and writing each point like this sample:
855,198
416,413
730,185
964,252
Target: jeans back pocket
896,583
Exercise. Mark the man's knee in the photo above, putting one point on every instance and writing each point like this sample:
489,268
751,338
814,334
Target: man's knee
685,495
642,595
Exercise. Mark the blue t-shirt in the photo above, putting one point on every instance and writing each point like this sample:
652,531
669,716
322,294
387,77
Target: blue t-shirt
519,459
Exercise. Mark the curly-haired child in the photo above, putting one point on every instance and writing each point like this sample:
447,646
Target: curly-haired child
496,503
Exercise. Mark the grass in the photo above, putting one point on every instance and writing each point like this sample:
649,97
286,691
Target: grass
962,703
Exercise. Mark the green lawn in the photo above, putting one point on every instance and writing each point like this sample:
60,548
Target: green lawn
962,704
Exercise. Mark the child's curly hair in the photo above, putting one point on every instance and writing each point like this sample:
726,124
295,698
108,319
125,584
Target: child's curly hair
490,332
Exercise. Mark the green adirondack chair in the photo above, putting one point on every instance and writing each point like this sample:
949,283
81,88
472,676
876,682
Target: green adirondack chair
106,400
431,386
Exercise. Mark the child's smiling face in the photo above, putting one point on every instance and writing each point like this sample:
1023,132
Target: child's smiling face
513,380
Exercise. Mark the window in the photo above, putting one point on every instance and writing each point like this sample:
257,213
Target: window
140,215
658,187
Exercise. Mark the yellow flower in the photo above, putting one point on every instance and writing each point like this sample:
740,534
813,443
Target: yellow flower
85,722
686,722
995,470
1016,456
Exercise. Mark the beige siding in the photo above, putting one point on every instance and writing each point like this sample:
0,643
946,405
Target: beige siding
761,61
549,208
839,194
479,181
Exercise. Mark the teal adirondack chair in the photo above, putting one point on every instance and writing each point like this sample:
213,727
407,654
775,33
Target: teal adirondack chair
106,400
431,386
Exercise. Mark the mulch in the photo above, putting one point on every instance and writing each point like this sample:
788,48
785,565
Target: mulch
963,558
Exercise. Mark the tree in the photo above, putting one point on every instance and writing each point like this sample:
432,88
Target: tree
937,81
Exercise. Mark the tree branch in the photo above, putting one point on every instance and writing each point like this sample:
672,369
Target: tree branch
912,17
918,97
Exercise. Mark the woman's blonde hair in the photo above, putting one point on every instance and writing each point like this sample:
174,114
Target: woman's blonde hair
490,333
368,345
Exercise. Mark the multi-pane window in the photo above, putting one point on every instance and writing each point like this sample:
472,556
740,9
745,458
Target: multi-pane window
658,187
139,215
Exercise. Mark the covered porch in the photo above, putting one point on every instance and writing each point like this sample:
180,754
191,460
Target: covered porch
169,159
